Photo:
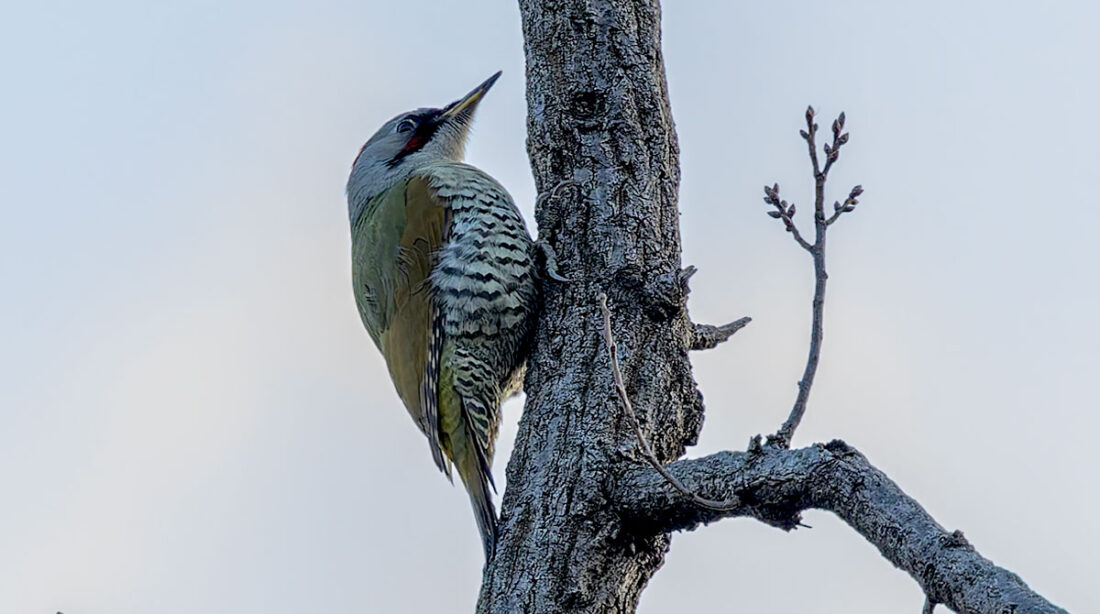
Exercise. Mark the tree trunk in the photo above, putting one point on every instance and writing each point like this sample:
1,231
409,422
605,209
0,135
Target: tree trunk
598,114
584,524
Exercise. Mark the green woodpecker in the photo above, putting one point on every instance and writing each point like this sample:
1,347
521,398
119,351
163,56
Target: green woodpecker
444,278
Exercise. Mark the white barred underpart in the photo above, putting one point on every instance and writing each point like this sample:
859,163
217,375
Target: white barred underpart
484,286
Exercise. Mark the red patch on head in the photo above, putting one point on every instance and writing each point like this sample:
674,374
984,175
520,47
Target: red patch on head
415,142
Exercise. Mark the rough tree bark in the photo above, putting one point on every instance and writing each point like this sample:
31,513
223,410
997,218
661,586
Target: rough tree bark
598,115
584,525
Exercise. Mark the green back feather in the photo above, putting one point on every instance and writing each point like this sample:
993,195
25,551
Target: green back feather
394,246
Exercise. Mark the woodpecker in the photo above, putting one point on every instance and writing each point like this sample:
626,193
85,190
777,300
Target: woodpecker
444,278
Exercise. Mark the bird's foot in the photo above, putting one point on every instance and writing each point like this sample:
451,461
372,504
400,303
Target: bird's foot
550,261
554,192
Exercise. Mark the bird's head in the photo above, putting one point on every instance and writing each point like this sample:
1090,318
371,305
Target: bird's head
410,141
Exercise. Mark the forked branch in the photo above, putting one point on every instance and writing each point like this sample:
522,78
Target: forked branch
785,212
775,485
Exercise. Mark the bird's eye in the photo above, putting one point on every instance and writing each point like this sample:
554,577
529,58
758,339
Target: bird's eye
406,125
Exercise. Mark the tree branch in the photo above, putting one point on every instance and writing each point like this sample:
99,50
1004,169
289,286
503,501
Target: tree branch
782,438
708,336
776,485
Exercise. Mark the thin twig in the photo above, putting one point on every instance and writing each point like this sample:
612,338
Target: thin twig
647,452
817,250
785,213
817,333
849,205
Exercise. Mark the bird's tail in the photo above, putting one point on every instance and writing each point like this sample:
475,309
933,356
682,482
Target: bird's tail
462,418
476,482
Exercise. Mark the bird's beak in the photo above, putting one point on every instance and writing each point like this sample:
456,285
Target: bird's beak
463,108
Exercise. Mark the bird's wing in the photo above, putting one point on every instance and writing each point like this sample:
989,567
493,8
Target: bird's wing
394,245
484,287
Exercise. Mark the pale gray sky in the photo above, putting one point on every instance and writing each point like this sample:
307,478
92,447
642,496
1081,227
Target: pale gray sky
195,421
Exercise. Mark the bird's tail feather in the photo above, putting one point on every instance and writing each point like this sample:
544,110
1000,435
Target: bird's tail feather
477,486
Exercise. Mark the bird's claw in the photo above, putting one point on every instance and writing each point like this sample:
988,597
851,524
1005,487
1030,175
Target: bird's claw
550,262
554,192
